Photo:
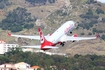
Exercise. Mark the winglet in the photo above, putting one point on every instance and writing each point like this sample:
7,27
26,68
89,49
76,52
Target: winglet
9,34
39,29
97,35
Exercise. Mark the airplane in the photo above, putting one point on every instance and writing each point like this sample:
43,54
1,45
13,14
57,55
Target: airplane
58,37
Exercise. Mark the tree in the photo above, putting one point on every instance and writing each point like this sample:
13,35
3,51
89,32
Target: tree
76,56
17,20
94,30
4,59
82,33
103,37
89,12
89,33
90,1
103,19
28,26
37,2
99,11
51,1
78,62
4,3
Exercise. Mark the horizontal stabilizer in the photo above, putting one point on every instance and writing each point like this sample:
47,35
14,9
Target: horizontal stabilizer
45,47
36,46
75,35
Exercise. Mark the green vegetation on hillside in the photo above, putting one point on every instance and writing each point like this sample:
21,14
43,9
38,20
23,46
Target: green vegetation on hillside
40,2
103,37
99,11
4,3
91,1
78,62
89,14
89,20
17,20
51,1
92,17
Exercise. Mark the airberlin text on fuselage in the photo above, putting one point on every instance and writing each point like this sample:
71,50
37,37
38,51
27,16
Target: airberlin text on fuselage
68,28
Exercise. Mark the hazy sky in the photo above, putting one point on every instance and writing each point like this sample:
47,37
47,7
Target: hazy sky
103,1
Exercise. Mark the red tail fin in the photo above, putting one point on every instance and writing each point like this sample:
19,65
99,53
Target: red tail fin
97,35
9,34
42,38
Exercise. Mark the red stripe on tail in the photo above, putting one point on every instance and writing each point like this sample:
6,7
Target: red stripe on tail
9,34
42,39
97,35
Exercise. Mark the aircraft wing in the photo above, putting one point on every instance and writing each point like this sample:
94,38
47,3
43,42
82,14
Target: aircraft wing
49,47
36,46
24,36
30,37
70,38
39,47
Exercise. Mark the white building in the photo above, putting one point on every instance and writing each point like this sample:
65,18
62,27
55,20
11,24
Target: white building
7,66
22,66
4,47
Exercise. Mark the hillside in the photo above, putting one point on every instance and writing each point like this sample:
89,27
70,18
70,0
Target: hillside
88,15
88,21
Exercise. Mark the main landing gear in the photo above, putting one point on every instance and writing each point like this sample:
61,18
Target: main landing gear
62,44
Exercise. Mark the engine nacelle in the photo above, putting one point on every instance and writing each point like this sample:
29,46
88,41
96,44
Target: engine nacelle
75,35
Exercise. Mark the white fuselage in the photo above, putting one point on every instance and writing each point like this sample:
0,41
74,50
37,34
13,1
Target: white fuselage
62,31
